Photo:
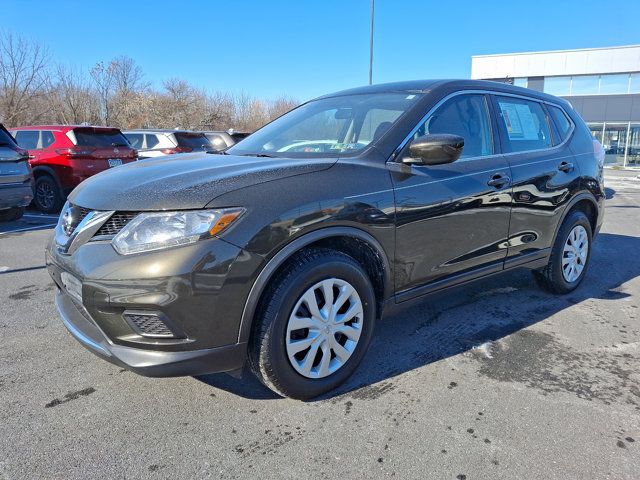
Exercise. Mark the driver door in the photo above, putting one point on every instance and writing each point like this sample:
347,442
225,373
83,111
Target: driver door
452,220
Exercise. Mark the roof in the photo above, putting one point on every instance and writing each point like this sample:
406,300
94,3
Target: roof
60,127
557,51
159,130
425,86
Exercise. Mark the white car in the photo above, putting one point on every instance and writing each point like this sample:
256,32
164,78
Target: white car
156,143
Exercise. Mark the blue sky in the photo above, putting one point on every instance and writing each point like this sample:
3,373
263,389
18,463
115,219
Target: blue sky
304,48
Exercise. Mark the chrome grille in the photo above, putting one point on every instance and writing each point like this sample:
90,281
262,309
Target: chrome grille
116,222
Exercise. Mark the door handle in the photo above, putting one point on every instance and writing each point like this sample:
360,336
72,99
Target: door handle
565,167
498,180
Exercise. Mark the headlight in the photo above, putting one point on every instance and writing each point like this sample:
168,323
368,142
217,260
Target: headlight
155,231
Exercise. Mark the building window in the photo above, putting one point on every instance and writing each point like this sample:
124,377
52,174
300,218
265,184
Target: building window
634,83
521,82
612,84
633,152
585,85
558,86
615,143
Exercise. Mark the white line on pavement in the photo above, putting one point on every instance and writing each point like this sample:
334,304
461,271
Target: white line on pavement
37,227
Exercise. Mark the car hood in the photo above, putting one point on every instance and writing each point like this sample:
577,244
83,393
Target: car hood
184,181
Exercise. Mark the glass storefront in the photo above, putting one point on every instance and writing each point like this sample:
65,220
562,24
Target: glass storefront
621,142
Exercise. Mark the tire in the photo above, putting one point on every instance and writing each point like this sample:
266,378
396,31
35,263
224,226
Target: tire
11,214
272,341
47,195
553,277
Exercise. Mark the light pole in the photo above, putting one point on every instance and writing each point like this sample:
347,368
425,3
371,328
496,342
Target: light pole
371,44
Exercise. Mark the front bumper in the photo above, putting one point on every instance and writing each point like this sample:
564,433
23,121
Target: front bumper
150,363
199,290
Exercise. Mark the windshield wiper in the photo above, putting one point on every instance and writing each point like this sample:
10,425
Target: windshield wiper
114,144
263,155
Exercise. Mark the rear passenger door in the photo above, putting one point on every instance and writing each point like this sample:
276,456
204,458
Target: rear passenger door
452,220
543,170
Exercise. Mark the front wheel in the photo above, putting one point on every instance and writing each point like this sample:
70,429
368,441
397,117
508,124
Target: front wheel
569,257
315,325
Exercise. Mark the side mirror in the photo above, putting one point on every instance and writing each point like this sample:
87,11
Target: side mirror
435,149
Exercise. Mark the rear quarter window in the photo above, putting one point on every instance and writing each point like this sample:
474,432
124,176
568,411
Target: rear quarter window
152,140
524,124
563,124
47,138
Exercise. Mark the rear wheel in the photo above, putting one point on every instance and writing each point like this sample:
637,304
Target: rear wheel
11,214
315,325
569,257
47,198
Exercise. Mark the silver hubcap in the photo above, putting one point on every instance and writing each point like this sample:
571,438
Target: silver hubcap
324,328
574,255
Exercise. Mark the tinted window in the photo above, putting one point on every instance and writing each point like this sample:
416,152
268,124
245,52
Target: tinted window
217,141
28,139
525,124
152,140
560,119
135,139
466,116
100,138
193,140
47,138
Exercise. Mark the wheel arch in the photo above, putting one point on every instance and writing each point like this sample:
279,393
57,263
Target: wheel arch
586,203
349,240
41,170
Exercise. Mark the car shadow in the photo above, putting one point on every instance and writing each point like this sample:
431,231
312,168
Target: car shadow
444,325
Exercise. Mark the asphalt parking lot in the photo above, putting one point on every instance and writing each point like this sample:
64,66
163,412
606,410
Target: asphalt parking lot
494,380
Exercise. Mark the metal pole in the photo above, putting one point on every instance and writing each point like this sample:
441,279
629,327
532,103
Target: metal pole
371,44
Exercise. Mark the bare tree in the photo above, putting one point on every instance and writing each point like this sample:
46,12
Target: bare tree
23,79
103,76
72,99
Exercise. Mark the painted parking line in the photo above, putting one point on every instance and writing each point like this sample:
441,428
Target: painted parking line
26,229
44,216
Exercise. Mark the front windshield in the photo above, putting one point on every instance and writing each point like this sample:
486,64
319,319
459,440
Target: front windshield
331,126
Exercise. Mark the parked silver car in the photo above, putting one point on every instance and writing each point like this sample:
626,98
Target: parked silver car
156,143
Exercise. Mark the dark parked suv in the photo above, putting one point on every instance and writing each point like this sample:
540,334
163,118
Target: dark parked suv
16,178
287,256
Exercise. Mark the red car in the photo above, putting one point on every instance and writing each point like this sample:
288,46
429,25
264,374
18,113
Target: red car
64,156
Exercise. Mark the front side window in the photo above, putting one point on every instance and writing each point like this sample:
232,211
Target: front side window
466,116
329,127
28,139
524,124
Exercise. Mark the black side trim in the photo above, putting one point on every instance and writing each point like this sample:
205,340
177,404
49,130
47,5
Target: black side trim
448,282
532,260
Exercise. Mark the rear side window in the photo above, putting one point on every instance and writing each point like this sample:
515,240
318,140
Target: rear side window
466,116
152,140
192,140
135,139
47,138
28,139
524,123
563,125
100,138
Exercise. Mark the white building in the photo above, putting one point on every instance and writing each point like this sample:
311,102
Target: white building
603,85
